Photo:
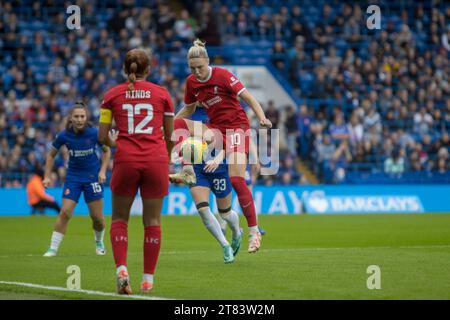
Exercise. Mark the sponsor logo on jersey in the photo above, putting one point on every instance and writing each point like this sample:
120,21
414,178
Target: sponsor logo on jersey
212,101
81,153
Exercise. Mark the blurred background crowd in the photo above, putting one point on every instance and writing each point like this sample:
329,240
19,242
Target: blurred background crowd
371,105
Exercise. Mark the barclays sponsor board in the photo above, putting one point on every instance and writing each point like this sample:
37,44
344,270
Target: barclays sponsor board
363,204
277,200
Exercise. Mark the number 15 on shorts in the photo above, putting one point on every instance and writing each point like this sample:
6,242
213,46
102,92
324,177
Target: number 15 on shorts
96,187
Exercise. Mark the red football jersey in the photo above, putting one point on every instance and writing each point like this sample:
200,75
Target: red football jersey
218,95
139,116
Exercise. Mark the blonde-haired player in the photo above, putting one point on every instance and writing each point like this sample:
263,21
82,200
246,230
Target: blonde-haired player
217,90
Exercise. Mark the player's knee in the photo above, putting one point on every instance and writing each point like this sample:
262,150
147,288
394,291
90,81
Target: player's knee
66,214
224,212
98,222
202,207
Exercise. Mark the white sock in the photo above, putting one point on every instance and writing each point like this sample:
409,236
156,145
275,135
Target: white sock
120,268
253,229
57,237
211,223
223,223
147,277
99,235
232,218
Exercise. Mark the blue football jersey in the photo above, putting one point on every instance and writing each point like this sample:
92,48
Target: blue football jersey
83,160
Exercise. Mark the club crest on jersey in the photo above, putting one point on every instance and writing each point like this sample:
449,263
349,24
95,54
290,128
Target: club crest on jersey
215,89
67,191
233,81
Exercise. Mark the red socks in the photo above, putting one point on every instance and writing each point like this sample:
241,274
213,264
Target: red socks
245,200
152,244
119,241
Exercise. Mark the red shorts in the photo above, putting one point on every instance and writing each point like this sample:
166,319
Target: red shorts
234,139
152,178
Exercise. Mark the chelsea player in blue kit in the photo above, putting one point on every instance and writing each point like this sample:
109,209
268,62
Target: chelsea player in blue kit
84,175
212,176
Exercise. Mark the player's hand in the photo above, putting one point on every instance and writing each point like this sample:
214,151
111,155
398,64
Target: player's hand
101,177
46,182
211,166
265,123
113,135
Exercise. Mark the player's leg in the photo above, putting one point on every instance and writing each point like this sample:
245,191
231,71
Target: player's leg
98,225
60,227
151,218
232,219
124,184
237,162
223,224
93,195
200,194
250,187
154,187
121,206
71,194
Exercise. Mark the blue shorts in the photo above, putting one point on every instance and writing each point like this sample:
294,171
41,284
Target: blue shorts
92,190
218,181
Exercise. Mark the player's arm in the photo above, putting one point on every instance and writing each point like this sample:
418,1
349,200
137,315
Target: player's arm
168,130
49,162
106,155
104,128
187,111
256,107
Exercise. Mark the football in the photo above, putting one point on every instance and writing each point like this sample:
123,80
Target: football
193,150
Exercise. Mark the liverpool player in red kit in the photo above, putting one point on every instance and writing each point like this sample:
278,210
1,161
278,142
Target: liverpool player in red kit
143,113
218,90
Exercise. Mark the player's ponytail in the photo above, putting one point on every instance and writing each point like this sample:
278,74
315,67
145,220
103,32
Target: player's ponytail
136,65
198,50
132,75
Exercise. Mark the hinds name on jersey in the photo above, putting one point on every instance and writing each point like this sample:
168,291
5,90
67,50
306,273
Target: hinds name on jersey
137,94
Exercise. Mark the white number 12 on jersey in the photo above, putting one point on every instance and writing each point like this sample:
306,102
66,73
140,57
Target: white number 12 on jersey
133,110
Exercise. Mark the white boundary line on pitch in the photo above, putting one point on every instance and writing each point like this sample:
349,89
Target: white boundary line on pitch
89,292
437,246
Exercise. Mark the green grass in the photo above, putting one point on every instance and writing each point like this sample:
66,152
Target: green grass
302,257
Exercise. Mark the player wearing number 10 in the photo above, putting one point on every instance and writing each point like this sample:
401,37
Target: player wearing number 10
84,175
143,113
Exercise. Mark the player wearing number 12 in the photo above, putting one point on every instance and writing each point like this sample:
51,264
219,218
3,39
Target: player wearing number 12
143,113
84,175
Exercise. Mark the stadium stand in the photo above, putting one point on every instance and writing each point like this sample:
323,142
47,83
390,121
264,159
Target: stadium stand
373,106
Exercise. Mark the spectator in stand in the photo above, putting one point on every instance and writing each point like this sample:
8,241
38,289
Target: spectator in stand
338,129
304,121
292,130
423,122
395,164
273,114
325,152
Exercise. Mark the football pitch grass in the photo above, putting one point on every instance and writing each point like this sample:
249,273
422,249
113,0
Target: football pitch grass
302,257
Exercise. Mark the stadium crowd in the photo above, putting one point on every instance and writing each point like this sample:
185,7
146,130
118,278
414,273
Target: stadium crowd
371,100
